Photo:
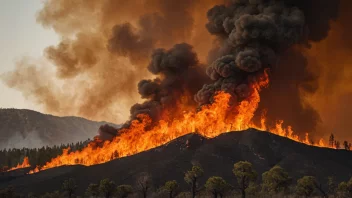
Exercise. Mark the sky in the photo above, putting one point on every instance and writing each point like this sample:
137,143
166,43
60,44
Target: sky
20,36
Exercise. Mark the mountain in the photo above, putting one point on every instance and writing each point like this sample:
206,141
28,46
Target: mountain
216,156
26,128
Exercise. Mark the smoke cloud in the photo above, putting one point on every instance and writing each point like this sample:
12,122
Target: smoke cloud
255,35
180,76
104,53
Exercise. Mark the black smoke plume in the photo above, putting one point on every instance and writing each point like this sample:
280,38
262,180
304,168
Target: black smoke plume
254,35
179,75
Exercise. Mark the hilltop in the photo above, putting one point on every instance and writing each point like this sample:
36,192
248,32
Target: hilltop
216,156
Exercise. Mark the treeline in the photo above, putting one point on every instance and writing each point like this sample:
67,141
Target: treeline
333,143
276,182
37,156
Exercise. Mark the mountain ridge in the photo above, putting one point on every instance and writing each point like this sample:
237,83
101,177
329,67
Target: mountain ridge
27,128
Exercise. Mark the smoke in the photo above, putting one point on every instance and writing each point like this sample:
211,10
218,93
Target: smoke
104,52
332,57
267,34
179,77
106,46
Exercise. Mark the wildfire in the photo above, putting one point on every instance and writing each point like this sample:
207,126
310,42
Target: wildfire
210,121
25,164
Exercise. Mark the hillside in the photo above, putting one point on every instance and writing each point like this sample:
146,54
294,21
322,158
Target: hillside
26,128
216,156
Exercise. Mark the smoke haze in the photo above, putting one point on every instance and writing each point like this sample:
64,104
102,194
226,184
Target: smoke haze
104,53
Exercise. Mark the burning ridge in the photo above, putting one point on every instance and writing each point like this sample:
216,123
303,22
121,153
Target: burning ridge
251,35
25,164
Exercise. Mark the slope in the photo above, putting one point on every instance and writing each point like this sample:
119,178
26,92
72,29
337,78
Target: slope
26,128
216,156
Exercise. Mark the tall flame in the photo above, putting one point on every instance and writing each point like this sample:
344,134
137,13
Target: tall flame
25,164
210,121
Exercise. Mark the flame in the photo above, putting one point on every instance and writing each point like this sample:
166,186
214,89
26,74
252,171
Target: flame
25,164
210,121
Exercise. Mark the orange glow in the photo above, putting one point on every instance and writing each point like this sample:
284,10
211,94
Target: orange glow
25,164
210,121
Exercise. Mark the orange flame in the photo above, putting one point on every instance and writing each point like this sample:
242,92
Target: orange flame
210,121
25,164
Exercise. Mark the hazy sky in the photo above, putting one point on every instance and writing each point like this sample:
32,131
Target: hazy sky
20,36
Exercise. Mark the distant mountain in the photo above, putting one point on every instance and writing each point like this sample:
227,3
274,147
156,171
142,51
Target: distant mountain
216,156
26,128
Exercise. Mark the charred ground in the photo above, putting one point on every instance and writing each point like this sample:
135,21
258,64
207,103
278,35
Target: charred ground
216,156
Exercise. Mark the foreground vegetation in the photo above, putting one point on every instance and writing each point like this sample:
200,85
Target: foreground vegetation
276,182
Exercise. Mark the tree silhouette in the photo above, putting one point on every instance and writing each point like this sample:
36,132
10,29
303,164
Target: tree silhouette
346,145
345,189
144,184
93,190
171,187
107,188
217,186
332,140
69,186
337,145
124,190
245,174
275,180
306,186
191,178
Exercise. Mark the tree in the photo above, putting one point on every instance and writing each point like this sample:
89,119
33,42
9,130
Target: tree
216,185
124,190
252,190
332,140
245,174
346,145
93,190
275,180
306,186
337,145
144,184
69,186
107,188
171,187
191,178
345,189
